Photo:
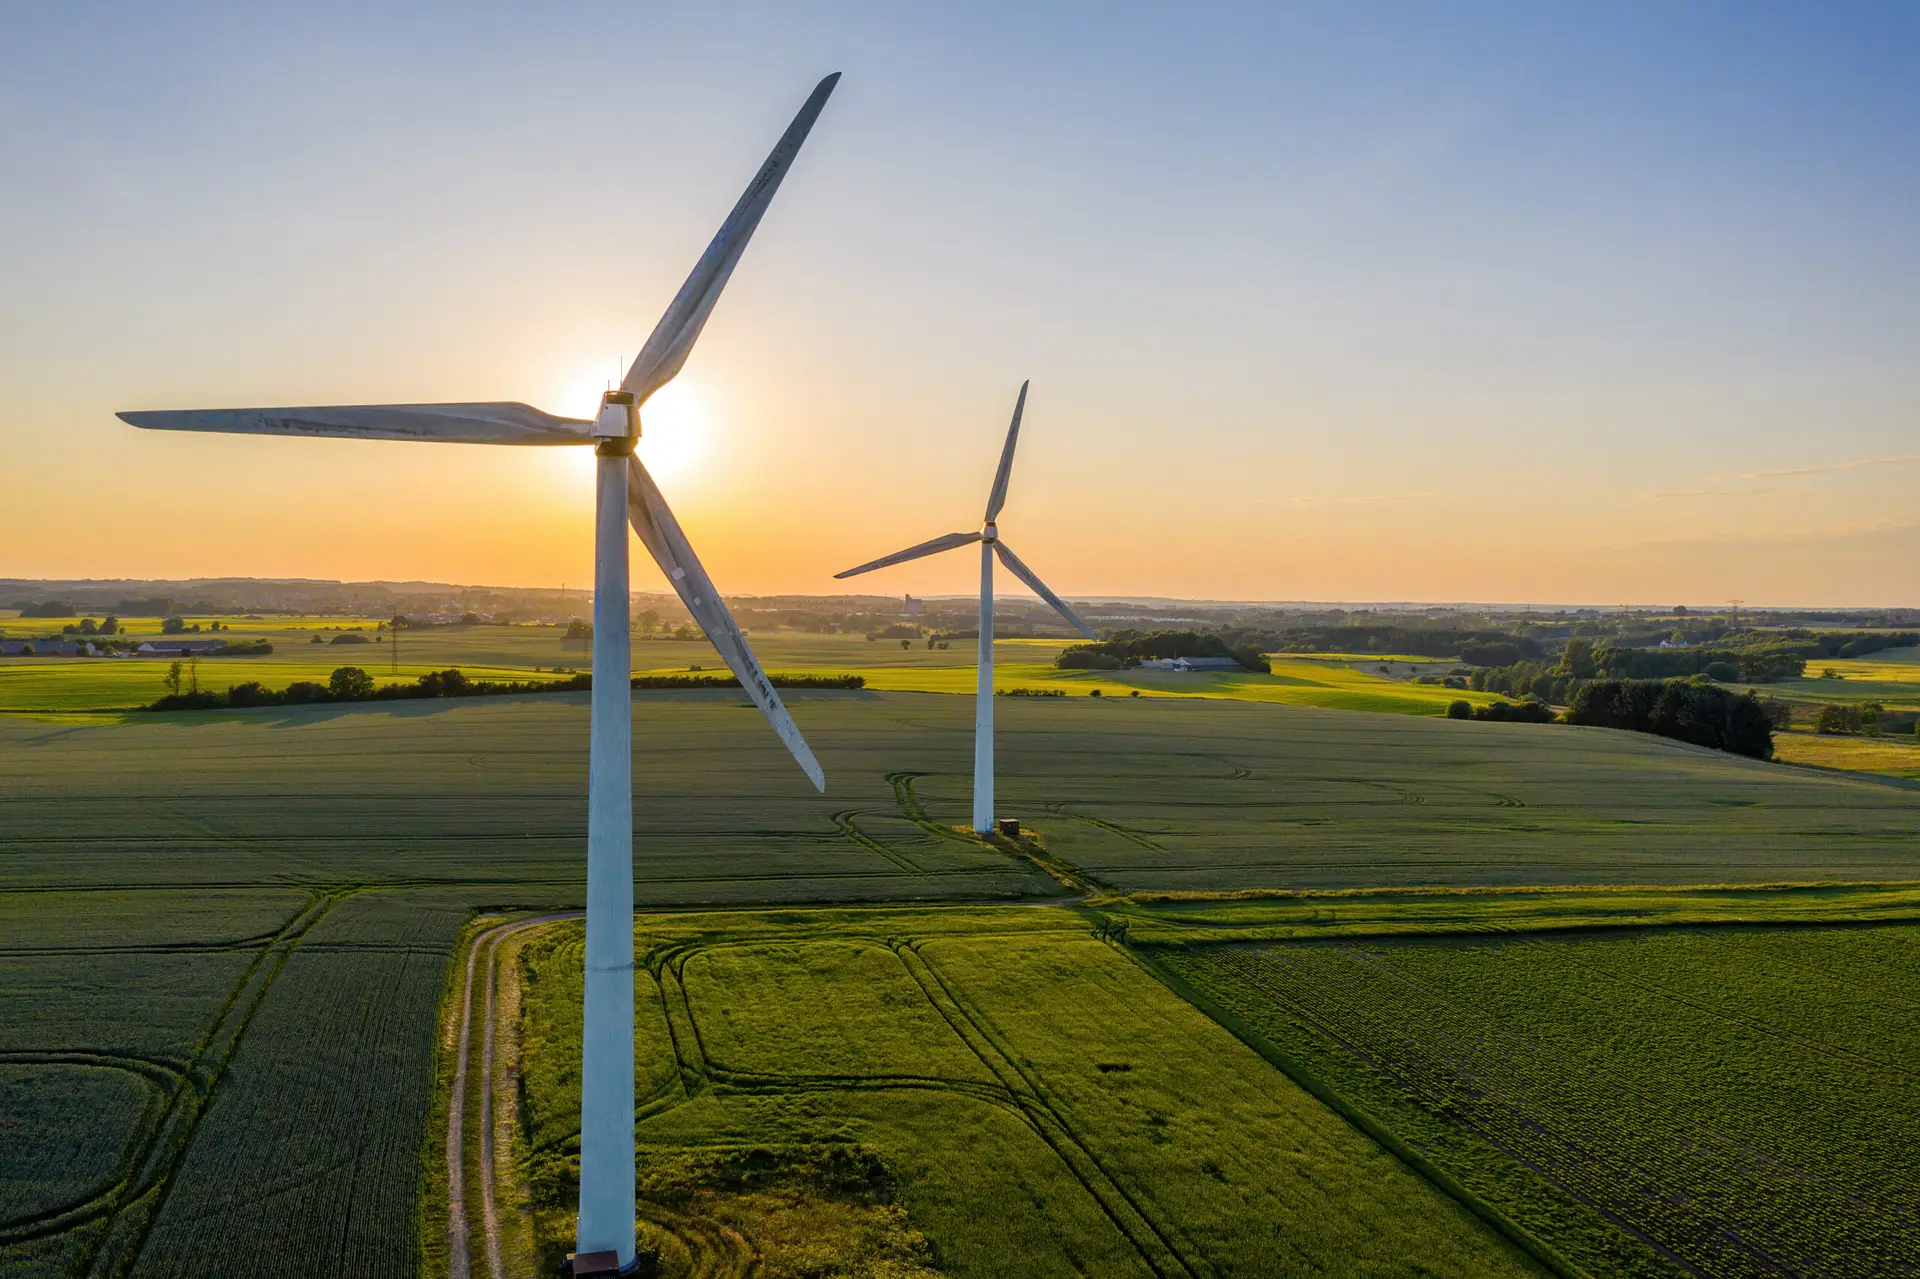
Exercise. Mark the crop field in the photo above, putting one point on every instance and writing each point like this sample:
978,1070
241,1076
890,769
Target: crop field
1034,1101
1892,755
225,937
50,685
1141,794
195,1077
1890,677
72,684
1723,1101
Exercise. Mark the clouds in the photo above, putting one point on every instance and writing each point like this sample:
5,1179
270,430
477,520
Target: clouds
1825,468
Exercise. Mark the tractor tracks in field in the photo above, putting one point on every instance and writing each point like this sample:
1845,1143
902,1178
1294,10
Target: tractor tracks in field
1153,1242
1131,836
1014,1089
843,821
122,1213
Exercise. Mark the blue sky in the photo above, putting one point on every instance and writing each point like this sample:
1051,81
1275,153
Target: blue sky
1518,302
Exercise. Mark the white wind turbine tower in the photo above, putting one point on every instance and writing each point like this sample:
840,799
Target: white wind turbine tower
625,491
990,545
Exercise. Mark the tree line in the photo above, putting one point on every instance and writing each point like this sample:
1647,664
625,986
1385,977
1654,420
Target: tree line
1687,710
352,684
1129,648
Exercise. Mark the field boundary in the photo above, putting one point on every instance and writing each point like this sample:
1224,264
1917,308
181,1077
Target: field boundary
1522,1238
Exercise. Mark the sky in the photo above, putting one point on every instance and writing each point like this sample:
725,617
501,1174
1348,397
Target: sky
1530,302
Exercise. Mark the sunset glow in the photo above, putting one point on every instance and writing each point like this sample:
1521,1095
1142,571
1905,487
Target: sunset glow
1375,330
675,429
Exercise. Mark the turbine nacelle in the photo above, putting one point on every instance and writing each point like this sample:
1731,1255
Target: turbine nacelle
618,423
989,532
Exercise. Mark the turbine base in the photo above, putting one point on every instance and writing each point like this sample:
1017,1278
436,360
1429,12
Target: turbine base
601,1265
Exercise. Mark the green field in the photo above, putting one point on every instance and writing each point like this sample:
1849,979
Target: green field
1034,1100
1891,676
1719,1101
48,685
226,940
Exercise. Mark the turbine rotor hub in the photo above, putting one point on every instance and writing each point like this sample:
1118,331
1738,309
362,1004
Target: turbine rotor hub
989,532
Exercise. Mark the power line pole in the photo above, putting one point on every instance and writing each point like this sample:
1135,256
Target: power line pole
1736,612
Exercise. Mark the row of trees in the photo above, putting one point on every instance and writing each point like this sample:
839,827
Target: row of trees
1423,641
1130,648
352,684
1687,710
1527,712
1581,662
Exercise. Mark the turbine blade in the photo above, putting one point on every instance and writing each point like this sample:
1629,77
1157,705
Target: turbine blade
945,542
1027,575
666,350
1000,477
500,423
661,534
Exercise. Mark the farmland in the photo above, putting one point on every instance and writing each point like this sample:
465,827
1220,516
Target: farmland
51,685
1891,677
226,940
1723,1101
1036,1103
1892,755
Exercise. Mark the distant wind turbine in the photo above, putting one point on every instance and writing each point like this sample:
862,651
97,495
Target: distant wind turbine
625,492
990,545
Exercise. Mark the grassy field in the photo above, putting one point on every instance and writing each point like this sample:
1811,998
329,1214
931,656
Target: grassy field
1142,795
224,937
70,685
1707,1101
1893,755
1032,1099
1891,677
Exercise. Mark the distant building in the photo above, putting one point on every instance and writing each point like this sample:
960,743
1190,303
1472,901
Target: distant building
915,607
178,647
47,648
1192,664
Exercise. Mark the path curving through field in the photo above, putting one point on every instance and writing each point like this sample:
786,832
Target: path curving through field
459,1231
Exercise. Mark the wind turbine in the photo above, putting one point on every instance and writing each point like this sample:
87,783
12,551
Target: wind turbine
990,545
624,492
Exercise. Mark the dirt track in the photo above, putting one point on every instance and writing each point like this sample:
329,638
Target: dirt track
459,1232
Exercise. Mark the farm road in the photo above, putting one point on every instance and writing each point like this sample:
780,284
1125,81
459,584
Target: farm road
459,1244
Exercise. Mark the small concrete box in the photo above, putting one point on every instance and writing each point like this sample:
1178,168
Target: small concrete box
1009,826
594,1263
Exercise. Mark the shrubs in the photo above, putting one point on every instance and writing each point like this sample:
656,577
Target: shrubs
351,684
246,648
1460,710
1029,692
1527,712
1685,710
349,637
1861,717
1087,658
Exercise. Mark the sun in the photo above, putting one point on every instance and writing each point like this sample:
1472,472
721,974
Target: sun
675,426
